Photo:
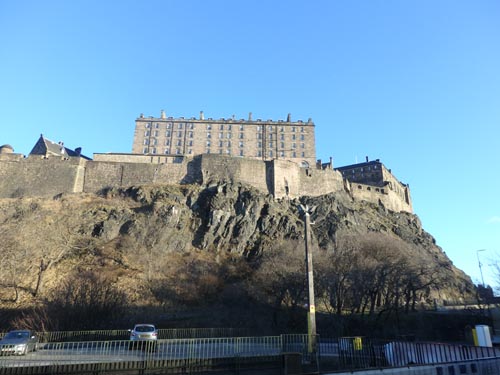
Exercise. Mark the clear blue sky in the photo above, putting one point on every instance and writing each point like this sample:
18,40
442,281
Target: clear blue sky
413,83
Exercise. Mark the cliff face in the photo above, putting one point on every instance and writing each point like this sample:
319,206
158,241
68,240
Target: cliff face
132,235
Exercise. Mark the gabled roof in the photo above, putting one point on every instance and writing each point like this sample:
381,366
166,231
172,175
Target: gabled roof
47,148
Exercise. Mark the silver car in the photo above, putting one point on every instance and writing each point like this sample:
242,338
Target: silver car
18,342
143,334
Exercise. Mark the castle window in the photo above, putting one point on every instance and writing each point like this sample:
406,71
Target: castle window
241,144
153,150
228,135
221,143
282,154
156,133
302,145
146,134
157,126
146,141
302,129
241,136
190,143
241,153
271,136
209,127
190,151
302,137
270,144
221,135
190,134
229,127
282,137
294,145
209,135
303,154
179,126
168,134
169,125
282,128
148,124
293,137
191,126
293,129
221,127
377,189
282,145
179,142
179,134
145,150
207,151
259,144
368,188
259,153
228,143
167,151
228,151
259,136
382,191
270,153
259,128
360,187
208,143
167,142
294,154
242,127
221,151
271,128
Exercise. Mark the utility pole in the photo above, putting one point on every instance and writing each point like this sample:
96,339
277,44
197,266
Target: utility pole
311,314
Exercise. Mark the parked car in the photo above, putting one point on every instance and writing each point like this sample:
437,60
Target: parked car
143,335
18,342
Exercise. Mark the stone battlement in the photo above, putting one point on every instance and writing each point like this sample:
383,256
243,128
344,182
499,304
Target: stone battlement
50,176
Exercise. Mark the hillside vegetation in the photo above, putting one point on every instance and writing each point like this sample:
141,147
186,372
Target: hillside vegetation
220,255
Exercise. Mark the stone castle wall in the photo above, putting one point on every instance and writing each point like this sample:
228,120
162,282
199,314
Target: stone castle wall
40,177
49,177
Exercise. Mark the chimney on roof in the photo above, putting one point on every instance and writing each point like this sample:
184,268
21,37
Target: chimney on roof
202,115
78,151
250,116
367,159
141,115
289,118
162,114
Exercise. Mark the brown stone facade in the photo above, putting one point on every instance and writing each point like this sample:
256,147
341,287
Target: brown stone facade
251,139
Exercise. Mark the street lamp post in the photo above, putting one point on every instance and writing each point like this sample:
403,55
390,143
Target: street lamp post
480,265
311,315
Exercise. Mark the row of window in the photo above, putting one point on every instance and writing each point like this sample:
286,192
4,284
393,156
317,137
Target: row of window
221,135
178,151
260,128
179,142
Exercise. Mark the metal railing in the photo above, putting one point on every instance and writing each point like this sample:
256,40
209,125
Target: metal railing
236,354
123,334
175,355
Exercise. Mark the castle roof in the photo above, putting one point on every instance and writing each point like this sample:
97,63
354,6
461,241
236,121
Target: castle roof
48,148
360,165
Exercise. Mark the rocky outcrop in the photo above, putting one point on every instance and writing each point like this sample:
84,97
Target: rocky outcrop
122,230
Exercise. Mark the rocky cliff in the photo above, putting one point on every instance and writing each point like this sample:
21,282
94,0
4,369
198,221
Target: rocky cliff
131,236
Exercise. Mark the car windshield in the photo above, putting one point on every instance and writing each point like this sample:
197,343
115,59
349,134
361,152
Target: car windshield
144,328
17,335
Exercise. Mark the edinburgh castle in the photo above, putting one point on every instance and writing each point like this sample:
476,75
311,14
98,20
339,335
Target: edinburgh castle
276,157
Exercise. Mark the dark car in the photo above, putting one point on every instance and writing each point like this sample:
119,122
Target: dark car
18,342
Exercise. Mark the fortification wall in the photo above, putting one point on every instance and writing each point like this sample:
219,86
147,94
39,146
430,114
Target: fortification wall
216,168
40,177
100,175
314,182
390,199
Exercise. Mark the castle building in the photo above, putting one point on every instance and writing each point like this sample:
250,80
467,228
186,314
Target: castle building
253,139
373,175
